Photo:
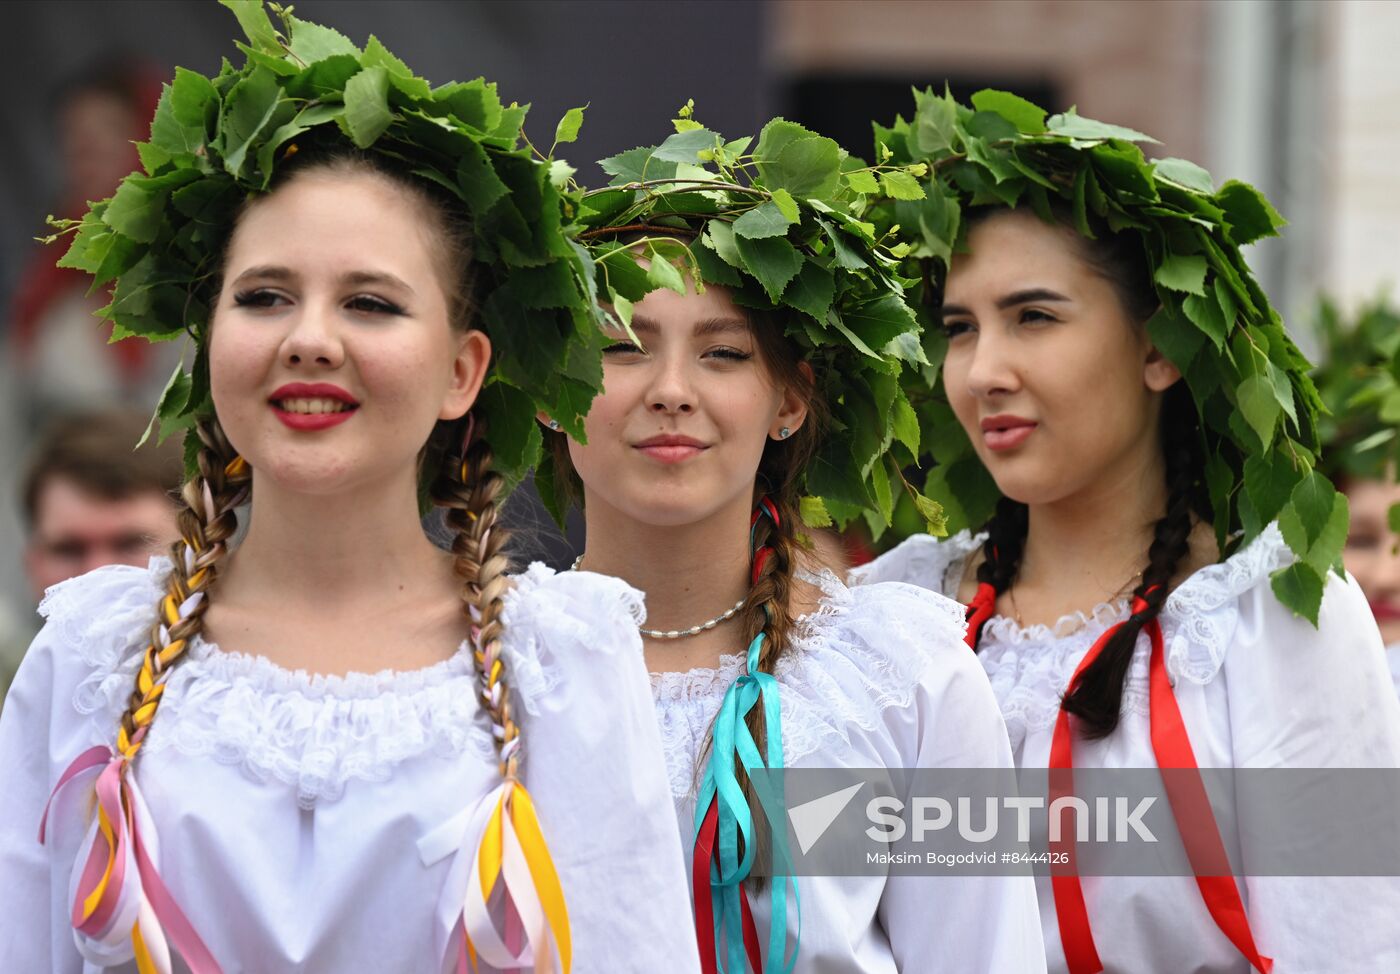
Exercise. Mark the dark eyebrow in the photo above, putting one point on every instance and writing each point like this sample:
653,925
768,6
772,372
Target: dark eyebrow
705,328
275,272
1015,298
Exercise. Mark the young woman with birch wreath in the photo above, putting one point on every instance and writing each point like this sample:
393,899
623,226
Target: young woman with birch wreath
1156,582
750,390
311,750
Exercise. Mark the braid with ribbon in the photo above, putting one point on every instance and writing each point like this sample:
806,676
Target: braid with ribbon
512,851
1096,696
746,737
120,894
1001,559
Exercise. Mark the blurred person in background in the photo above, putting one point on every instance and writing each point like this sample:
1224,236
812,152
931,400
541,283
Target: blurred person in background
89,498
58,353
1359,379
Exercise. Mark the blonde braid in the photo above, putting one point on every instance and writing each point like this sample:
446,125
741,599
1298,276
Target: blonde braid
469,489
206,522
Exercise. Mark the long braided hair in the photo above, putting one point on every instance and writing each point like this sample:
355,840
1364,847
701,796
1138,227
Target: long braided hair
465,486
1096,698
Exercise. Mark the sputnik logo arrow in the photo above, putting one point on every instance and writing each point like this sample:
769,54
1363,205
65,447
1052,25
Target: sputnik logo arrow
810,820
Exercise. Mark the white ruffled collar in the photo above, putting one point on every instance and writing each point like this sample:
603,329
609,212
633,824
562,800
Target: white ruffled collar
318,732
861,653
1030,666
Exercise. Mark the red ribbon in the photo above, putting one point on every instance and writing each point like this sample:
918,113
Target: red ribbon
705,904
982,607
1200,834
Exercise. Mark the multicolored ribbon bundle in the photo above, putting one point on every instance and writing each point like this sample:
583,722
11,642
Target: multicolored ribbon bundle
723,918
501,868
119,896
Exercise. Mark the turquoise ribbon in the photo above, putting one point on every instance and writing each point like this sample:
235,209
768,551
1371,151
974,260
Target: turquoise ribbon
721,783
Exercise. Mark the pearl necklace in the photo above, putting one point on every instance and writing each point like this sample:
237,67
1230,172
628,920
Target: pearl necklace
679,633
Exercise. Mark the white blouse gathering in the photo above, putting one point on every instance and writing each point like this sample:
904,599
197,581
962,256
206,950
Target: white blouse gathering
877,677
310,822
1257,688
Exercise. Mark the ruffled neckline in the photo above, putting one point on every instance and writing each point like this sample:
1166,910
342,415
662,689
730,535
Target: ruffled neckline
317,732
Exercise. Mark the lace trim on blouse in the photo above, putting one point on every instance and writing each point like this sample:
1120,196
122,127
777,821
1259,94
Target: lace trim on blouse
853,658
1030,666
313,732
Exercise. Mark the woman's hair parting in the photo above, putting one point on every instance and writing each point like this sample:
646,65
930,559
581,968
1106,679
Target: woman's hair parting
466,487
1096,698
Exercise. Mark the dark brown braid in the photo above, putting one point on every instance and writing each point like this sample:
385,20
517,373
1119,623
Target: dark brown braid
1096,698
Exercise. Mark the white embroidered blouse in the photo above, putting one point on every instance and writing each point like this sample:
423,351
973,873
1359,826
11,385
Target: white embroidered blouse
297,815
1257,688
877,677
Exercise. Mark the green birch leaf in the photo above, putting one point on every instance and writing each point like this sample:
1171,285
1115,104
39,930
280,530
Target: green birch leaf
1393,518
1185,174
786,205
1207,316
812,290
1299,588
367,112
250,106
899,185
1249,214
878,322
1076,126
880,487
662,273
863,181
764,220
685,147
568,128
313,42
135,213
637,165
1183,272
935,123
1259,406
935,522
772,261
720,238
906,423
1027,118
813,512
400,75
252,17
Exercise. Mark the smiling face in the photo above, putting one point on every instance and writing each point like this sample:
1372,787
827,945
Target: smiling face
680,428
1057,388
332,353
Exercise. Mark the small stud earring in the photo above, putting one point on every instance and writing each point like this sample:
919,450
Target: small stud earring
554,425
784,433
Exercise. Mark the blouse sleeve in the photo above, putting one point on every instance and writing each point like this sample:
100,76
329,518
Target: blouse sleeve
1301,697
600,772
29,935
971,923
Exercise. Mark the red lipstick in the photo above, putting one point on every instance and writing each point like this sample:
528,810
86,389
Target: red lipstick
312,390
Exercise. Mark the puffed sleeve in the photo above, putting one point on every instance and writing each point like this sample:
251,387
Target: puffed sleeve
970,923
1301,697
90,622
599,777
